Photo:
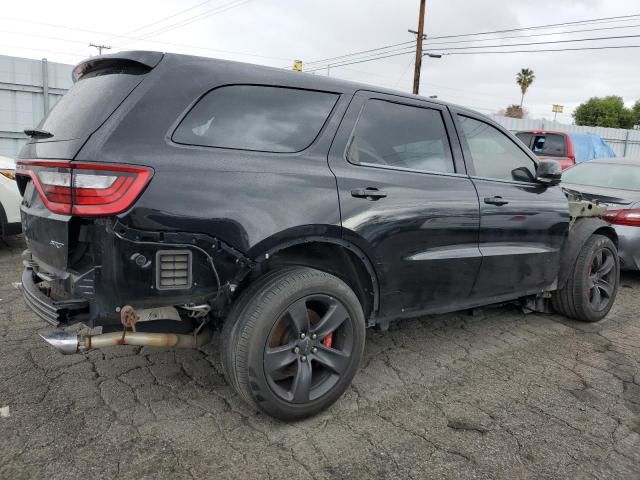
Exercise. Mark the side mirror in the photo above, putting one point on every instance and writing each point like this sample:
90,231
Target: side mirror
548,172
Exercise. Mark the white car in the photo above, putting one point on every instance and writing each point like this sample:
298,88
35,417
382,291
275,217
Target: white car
10,199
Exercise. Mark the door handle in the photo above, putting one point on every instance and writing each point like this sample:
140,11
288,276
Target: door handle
497,200
370,193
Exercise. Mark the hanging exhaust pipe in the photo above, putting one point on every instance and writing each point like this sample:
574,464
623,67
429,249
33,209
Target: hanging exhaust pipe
68,342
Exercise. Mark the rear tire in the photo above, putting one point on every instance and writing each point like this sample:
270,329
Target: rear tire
591,289
293,342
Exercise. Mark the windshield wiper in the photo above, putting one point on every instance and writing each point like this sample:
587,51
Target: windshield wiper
37,133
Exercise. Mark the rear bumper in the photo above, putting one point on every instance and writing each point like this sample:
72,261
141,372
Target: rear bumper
628,247
53,312
121,266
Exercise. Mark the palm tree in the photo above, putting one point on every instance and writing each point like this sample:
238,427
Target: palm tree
524,78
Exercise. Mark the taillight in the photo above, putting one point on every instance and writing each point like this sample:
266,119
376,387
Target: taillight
86,189
630,217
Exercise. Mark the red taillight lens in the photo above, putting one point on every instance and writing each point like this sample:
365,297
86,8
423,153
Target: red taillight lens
630,217
86,189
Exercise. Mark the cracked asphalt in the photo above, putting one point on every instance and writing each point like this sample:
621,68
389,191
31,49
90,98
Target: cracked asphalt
494,395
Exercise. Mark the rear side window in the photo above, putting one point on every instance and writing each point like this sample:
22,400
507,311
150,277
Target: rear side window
260,118
401,136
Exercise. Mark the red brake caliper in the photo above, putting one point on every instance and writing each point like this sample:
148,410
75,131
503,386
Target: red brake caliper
328,340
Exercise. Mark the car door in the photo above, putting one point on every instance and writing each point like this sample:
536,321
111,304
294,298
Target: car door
407,201
523,223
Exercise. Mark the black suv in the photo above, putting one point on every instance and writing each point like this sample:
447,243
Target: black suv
167,195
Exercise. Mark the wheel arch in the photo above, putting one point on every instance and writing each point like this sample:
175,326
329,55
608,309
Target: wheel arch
332,255
578,235
3,220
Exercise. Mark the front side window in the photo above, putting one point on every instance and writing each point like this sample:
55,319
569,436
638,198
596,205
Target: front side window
494,154
401,136
260,118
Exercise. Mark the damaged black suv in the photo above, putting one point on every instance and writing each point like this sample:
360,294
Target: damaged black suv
166,195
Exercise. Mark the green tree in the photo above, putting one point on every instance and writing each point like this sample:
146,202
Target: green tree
524,78
636,113
604,112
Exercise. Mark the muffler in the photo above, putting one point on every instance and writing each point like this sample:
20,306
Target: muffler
68,342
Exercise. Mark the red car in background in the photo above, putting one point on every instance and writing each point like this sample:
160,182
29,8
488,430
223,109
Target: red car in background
556,146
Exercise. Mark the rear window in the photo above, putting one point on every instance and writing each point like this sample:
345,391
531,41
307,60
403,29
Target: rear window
260,118
549,145
609,175
90,101
525,137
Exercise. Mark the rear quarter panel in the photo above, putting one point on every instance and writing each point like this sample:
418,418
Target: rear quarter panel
241,197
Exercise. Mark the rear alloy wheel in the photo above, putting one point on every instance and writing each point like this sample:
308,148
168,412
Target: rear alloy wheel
293,342
591,289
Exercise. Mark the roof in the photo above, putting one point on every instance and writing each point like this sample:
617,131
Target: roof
542,132
319,82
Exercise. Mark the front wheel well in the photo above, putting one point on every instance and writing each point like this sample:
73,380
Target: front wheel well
348,264
608,232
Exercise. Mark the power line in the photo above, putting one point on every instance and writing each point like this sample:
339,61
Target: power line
473,53
619,27
100,47
172,16
538,27
97,32
473,47
549,50
535,27
551,42
196,18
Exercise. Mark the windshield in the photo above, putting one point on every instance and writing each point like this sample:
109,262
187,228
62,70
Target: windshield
606,175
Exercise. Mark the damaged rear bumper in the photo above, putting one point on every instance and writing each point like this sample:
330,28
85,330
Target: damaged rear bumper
122,266
53,312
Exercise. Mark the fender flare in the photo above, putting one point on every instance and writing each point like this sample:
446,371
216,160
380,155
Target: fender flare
578,235
3,219
368,265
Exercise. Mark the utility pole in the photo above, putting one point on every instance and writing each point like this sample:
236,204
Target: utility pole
100,47
419,40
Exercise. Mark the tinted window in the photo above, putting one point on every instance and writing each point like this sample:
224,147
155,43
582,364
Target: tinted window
525,137
494,154
89,102
549,145
250,117
401,136
610,175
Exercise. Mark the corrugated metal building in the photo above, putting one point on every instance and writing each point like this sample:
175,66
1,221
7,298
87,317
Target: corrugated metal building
28,90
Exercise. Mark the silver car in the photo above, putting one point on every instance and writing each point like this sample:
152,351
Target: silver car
615,182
